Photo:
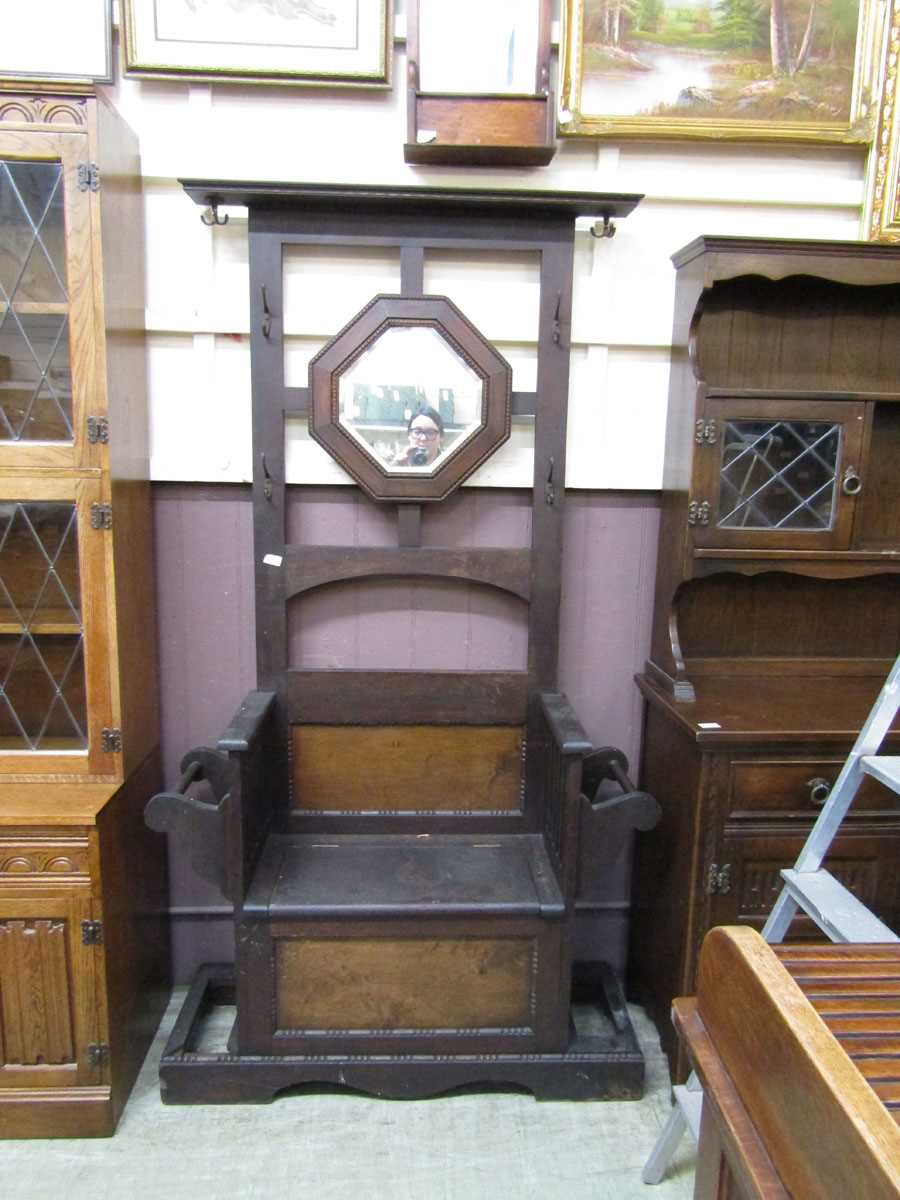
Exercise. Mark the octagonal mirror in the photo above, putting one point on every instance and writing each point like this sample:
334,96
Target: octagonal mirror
410,398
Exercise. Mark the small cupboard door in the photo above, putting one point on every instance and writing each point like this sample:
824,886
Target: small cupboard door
49,374
55,691
49,1017
776,473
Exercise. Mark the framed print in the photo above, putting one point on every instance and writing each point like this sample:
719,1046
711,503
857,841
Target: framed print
56,41
343,42
764,70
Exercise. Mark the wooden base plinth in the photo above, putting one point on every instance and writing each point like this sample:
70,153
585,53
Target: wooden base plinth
56,1112
605,1066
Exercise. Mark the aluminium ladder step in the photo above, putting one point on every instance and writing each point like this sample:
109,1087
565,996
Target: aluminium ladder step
883,767
835,909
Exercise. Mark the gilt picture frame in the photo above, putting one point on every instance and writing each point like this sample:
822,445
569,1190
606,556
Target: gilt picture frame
707,69
881,216
341,43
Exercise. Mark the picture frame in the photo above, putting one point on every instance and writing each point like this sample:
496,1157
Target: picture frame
881,215
57,43
343,43
664,69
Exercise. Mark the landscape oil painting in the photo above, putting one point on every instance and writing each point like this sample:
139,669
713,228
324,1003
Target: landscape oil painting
772,69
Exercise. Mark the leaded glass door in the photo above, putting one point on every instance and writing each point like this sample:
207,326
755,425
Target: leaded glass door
54,643
777,473
48,382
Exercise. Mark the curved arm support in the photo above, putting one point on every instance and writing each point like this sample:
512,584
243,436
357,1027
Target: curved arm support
611,820
197,823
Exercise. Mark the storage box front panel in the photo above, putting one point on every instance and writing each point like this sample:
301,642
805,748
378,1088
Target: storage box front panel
392,985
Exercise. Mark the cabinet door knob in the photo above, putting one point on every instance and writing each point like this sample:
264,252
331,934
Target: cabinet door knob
819,789
851,484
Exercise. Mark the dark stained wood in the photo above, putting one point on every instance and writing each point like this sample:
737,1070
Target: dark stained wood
381,845
408,768
770,329
360,334
344,199
406,697
308,567
738,800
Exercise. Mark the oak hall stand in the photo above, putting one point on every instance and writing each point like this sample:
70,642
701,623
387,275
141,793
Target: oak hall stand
777,612
403,848
83,944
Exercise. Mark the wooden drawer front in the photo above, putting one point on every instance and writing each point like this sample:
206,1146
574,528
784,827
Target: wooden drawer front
30,859
394,985
791,787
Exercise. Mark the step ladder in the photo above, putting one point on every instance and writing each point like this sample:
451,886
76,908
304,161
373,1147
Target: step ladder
808,887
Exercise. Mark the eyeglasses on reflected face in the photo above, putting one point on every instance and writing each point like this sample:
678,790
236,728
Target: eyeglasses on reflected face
424,431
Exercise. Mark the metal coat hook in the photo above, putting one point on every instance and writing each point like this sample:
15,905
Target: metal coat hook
267,315
556,325
210,215
549,489
267,485
605,230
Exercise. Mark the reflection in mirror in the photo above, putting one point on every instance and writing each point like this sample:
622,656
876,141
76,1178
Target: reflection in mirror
470,47
410,399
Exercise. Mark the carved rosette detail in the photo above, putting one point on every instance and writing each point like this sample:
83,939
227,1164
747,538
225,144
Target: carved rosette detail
43,110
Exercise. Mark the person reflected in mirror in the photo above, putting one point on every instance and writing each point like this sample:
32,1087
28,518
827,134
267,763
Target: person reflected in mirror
425,432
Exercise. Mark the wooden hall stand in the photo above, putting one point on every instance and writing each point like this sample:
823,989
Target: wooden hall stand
403,849
797,1051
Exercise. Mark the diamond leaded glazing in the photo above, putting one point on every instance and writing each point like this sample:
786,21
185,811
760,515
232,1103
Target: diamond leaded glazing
42,682
778,475
35,373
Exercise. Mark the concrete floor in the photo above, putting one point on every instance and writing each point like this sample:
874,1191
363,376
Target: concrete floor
498,1146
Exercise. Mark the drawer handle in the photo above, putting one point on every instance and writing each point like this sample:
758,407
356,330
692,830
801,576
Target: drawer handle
819,789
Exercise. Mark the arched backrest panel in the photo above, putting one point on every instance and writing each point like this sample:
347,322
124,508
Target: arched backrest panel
407,625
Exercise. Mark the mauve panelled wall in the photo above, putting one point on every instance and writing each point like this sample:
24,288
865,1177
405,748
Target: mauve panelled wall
207,658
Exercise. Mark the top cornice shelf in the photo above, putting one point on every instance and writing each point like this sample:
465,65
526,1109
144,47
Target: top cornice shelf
328,196
777,258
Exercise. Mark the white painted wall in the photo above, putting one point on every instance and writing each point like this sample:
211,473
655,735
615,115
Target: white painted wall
197,282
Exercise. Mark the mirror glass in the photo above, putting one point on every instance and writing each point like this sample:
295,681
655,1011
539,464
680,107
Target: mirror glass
469,47
410,399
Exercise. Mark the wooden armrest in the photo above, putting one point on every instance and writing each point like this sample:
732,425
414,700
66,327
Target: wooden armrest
562,721
247,723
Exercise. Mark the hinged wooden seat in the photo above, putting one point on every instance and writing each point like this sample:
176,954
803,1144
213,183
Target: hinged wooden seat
358,875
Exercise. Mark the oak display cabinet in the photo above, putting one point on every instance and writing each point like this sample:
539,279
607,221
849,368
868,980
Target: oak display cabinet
83,955
777,610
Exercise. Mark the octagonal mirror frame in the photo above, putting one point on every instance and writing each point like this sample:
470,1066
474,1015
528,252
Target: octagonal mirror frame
380,479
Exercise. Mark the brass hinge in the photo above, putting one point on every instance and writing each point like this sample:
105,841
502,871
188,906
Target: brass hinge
718,879
88,177
111,741
706,433
698,512
97,430
101,516
98,1054
92,933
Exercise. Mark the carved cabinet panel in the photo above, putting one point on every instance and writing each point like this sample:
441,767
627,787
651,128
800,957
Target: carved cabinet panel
48,999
